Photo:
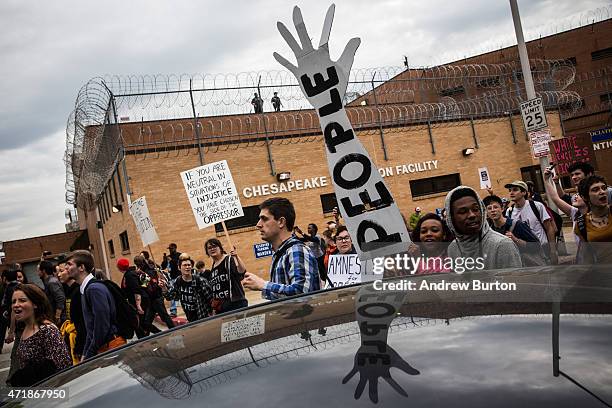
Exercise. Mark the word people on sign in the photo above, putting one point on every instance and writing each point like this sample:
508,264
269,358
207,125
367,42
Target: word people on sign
212,193
570,149
485,180
262,250
140,214
539,143
534,115
371,215
348,269
242,328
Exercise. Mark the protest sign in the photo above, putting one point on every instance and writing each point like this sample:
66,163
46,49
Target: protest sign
485,179
262,250
348,269
243,328
212,193
570,149
369,211
142,219
539,143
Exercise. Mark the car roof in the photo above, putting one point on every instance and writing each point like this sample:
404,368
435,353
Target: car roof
446,347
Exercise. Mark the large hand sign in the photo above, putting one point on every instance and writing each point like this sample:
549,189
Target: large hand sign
371,215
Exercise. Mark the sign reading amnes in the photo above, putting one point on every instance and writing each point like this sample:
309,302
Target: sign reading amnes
534,115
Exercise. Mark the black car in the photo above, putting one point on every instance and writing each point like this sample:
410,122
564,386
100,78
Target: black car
546,344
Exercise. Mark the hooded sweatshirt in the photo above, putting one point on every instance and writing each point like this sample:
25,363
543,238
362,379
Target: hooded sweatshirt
497,250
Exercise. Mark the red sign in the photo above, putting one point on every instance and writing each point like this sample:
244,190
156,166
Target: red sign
571,149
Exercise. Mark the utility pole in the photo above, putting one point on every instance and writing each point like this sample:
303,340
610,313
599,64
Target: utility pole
527,78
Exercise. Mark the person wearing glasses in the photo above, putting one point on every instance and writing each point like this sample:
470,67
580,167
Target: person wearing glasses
225,277
344,243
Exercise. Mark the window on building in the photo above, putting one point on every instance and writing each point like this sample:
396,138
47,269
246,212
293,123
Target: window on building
601,54
533,174
328,202
249,219
570,60
433,185
125,243
111,248
453,91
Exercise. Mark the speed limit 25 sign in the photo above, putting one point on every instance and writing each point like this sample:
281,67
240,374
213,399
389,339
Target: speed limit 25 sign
534,115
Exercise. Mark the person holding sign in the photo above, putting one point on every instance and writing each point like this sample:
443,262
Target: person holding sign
344,243
294,268
225,276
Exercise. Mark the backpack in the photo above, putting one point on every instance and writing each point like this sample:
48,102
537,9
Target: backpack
535,257
126,318
556,217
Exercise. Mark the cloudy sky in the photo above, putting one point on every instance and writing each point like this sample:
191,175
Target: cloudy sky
50,49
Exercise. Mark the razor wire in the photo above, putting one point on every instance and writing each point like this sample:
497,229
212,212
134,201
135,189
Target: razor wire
446,96
556,26
163,375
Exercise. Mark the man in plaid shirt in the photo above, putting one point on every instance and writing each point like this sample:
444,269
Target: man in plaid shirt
193,291
294,268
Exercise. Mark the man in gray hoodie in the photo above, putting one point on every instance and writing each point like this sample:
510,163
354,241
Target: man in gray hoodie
474,237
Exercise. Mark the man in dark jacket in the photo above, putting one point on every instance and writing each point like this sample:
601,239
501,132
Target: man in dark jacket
53,290
136,295
171,263
99,310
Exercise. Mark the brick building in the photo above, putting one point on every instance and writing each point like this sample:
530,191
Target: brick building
417,135
419,171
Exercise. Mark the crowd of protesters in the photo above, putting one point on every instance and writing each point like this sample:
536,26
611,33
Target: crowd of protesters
78,314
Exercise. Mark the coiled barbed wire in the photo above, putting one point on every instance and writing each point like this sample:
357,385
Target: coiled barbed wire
477,91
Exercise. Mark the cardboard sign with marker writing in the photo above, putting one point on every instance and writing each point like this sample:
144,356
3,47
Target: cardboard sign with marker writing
571,149
212,193
142,219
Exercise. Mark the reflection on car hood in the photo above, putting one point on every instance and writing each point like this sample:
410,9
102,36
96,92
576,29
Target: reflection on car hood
302,352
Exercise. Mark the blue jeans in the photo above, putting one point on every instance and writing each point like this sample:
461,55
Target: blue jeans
173,307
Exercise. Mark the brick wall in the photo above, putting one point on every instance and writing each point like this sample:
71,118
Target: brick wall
156,176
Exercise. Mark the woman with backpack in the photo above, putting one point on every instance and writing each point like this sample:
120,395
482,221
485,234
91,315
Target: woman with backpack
225,276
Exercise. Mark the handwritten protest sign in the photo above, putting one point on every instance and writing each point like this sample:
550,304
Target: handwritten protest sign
370,213
212,193
142,219
540,140
570,149
348,269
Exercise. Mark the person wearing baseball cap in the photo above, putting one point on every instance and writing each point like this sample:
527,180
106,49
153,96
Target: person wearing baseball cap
534,214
